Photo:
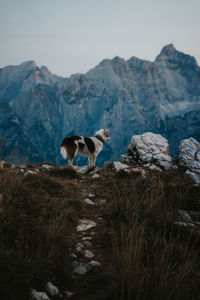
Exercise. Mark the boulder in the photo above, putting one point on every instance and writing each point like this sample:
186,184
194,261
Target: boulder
189,157
52,289
39,295
150,147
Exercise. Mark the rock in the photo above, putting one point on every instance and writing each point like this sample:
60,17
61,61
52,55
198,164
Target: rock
183,224
79,247
86,238
150,147
91,195
85,224
139,170
95,176
82,268
119,166
102,201
189,157
39,295
83,169
73,255
186,217
2,162
88,254
30,172
95,263
23,166
52,289
88,201
87,244
152,167
47,167
68,294
125,158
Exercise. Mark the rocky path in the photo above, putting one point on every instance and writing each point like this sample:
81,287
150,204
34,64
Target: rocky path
90,252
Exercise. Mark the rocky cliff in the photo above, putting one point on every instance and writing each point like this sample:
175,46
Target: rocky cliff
132,96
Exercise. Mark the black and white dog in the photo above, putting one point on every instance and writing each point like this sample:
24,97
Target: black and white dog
90,146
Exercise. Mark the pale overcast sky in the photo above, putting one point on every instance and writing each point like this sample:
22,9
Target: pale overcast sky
72,36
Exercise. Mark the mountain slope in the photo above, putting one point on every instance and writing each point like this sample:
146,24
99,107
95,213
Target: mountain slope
128,97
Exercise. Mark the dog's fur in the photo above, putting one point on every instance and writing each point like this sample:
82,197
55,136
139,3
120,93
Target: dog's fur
90,146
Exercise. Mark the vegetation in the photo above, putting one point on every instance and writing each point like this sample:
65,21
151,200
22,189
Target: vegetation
144,253
38,215
152,257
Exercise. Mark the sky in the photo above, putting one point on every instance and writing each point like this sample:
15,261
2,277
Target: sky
73,36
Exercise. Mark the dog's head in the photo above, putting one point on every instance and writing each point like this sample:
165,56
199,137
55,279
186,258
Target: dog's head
104,133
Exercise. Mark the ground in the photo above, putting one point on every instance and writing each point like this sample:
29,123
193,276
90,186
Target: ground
143,247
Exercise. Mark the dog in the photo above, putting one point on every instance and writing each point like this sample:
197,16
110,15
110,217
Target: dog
90,146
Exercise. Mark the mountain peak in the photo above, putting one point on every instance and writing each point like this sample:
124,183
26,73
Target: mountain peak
168,49
28,64
118,59
169,54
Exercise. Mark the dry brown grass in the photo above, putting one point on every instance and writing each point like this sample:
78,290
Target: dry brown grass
151,257
38,215
144,254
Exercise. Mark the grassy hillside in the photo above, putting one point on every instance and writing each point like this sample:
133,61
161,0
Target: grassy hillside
147,250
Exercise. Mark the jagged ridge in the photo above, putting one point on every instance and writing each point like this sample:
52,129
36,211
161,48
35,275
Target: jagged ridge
128,97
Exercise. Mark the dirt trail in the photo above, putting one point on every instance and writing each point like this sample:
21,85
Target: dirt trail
93,284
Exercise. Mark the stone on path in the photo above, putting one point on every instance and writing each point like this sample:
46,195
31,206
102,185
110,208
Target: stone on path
85,224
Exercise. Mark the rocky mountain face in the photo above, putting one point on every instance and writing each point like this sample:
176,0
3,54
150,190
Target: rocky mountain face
38,109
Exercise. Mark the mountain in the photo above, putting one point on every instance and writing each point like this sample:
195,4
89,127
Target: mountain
127,96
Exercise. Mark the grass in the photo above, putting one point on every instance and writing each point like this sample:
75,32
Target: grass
64,172
38,215
145,255
151,257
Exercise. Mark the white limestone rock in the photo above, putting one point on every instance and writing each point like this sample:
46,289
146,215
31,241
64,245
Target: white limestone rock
79,247
91,195
185,216
52,289
119,166
189,157
87,244
153,167
86,238
151,147
88,254
139,170
95,176
95,263
88,201
85,224
69,294
46,166
81,169
82,268
39,295
102,201
2,162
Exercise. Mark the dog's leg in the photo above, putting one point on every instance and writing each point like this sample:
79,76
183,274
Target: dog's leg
92,160
72,151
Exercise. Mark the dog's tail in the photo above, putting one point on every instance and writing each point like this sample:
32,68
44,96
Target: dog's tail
63,152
